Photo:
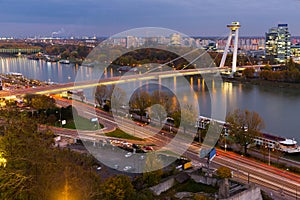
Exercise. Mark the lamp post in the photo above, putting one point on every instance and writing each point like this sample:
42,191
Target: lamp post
269,157
225,143
282,191
59,117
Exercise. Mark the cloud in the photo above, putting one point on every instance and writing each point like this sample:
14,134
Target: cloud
61,31
118,15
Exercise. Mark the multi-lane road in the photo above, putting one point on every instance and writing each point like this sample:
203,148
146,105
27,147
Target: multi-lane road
281,182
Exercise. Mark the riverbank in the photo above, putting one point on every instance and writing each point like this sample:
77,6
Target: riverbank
14,80
260,82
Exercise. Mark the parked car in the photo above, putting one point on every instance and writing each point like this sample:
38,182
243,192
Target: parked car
127,155
127,168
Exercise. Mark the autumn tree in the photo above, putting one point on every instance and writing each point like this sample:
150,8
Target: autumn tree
291,65
225,142
117,188
102,93
161,105
118,97
200,197
22,146
224,172
140,101
74,54
36,170
186,117
153,170
39,102
248,72
65,54
244,125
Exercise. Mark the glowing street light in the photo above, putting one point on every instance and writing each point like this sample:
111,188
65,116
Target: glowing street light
3,160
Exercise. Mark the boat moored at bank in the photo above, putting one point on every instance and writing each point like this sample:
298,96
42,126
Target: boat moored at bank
266,140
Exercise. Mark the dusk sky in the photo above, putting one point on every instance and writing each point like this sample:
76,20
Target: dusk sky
22,18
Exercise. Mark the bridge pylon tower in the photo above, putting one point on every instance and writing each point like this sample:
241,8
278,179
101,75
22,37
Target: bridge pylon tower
234,31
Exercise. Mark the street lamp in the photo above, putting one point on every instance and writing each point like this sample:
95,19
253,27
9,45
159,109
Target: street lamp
282,191
268,154
59,117
269,157
3,161
269,150
225,137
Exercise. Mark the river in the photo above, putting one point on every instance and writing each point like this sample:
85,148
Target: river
279,107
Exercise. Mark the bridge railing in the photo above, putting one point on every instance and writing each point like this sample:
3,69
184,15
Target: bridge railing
19,50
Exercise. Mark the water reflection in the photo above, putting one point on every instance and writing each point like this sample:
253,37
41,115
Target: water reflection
279,107
44,71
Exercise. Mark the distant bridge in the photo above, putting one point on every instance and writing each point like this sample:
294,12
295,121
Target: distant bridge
19,50
113,80
57,88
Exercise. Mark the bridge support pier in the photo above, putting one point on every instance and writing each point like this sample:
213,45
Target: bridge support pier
234,31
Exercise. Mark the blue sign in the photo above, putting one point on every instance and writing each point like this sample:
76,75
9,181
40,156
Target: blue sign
212,154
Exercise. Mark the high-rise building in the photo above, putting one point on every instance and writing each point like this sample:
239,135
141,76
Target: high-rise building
278,43
131,41
175,39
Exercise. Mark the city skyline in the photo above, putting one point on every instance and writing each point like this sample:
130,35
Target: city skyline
105,18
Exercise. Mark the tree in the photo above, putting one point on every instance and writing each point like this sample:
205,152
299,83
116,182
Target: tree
224,140
117,98
117,188
68,113
140,101
268,67
39,102
244,126
291,65
101,93
51,119
34,168
188,117
176,115
200,197
163,105
23,147
249,72
74,54
65,54
224,172
153,170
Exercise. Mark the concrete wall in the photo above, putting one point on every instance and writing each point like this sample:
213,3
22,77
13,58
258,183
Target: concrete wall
253,193
205,180
164,186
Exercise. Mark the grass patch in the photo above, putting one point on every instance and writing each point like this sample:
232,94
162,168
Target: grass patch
189,186
82,124
121,134
192,186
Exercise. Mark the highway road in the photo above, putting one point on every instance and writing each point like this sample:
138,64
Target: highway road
279,181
